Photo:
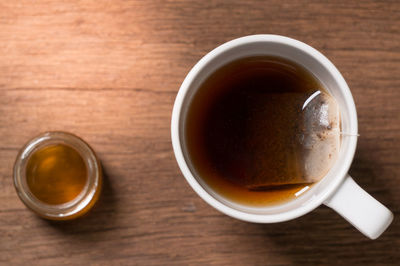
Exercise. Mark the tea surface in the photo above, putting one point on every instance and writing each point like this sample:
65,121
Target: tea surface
252,127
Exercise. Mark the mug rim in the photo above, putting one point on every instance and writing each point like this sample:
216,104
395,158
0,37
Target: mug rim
176,138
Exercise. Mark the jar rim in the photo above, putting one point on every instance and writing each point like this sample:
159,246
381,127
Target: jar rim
80,202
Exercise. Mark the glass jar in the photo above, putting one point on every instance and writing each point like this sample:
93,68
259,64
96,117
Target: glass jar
79,205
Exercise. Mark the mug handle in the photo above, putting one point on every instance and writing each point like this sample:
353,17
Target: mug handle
360,209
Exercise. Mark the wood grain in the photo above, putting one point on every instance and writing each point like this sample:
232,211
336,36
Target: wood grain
109,72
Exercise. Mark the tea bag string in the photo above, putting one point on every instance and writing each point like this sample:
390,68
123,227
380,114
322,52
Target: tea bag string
343,133
348,134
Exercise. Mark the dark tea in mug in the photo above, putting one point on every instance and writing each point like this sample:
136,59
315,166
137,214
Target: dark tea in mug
260,130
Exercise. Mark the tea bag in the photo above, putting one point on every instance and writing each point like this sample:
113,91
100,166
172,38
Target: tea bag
321,136
305,141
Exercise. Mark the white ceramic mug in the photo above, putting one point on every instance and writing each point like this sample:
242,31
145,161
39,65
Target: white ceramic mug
336,190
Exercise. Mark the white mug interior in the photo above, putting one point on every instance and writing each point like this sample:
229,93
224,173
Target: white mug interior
322,69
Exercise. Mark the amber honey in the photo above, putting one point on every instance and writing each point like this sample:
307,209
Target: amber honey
56,174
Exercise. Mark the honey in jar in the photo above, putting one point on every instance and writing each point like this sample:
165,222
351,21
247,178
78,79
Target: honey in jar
56,174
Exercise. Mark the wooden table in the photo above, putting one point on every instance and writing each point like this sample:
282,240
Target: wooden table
109,72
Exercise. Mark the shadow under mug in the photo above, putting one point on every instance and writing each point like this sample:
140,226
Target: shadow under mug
336,190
